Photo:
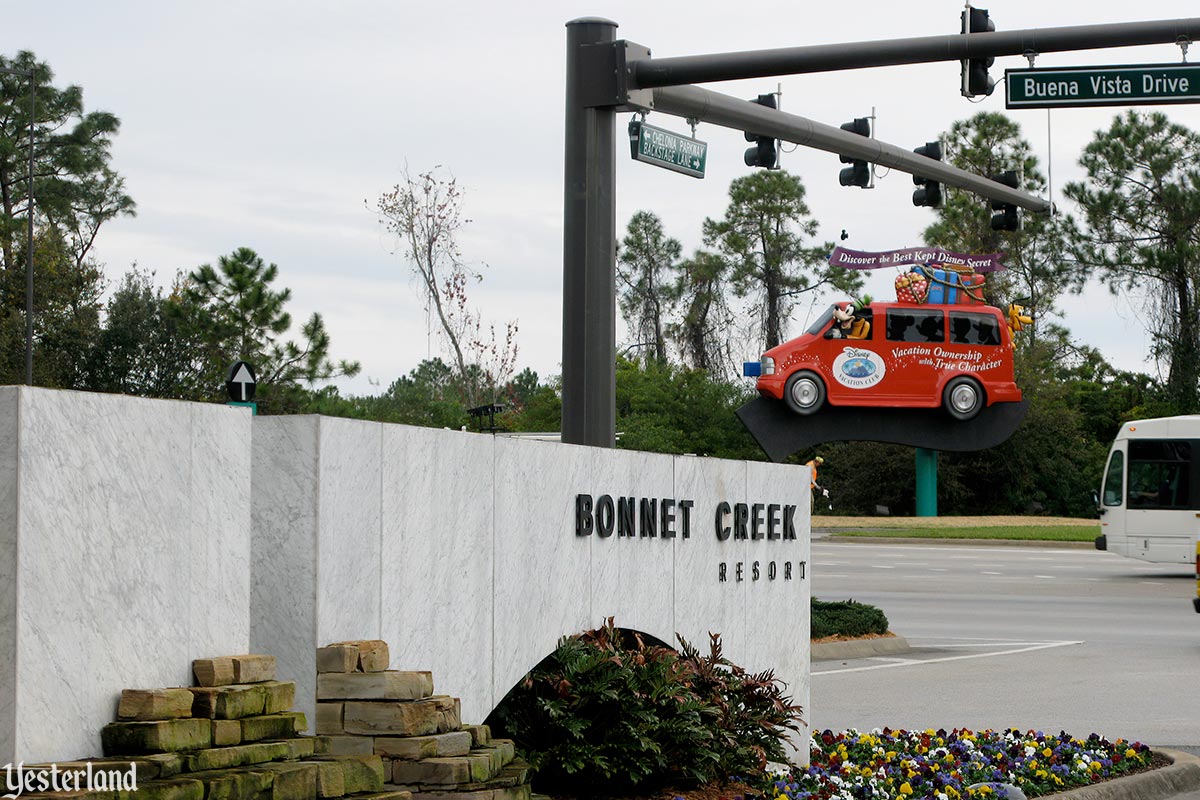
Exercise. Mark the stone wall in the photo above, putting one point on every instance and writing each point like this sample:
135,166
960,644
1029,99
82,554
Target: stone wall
137,535
461,551
124,554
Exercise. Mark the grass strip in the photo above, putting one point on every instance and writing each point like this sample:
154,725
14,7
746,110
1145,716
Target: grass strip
1049,533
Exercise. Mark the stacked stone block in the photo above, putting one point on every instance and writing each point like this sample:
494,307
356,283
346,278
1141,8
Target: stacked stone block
230,737
364,708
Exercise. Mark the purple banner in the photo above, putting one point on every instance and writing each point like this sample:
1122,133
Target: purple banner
859,259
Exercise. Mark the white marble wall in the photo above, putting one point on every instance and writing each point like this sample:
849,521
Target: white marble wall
283,549
438,559
132,554
460,550
137,535
9,403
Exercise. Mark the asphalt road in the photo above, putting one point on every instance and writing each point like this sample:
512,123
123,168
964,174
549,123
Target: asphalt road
1015,637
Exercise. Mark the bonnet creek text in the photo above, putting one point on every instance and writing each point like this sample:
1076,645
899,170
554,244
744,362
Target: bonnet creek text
668,518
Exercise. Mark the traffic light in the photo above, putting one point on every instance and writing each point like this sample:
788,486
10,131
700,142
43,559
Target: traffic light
1007,218
764,153
975,78
930,193
859,172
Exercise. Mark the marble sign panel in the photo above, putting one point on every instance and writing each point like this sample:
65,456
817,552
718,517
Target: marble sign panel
544,580
106,509
219,503
283,547
10,399
779,628
633,577
348,547
709,597
437,559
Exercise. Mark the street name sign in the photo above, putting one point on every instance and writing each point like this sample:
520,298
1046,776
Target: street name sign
667,150
1144,84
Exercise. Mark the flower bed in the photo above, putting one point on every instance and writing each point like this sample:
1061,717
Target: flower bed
941,765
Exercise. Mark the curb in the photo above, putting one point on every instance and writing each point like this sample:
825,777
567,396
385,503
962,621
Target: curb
859,648
1183,775
834,537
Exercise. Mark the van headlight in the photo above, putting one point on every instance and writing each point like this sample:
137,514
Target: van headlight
768,365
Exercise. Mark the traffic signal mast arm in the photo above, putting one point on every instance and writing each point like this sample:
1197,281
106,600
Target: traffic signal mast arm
682,70
706,105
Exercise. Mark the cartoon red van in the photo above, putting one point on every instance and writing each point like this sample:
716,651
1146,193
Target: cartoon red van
959,357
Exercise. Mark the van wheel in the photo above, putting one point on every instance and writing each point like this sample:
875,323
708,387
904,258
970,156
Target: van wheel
804,392
963,398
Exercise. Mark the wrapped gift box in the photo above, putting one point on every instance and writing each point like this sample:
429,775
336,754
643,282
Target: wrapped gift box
911,287
971,293
943,286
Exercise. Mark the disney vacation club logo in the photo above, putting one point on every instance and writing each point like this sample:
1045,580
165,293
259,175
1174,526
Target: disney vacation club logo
20,779
858,369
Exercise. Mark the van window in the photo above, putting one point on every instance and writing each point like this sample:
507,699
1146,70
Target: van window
968,328
821,322
915,325
1160,473
1113,479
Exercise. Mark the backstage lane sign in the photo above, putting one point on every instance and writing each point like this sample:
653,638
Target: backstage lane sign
668,150
668,518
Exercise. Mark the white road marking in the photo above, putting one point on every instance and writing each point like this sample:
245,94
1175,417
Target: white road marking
985,572
983,644
828,575
938,569
881,566
1044,646
1047,577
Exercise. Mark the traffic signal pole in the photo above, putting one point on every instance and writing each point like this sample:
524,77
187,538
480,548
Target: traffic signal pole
589,382
706,105
605,76
680,70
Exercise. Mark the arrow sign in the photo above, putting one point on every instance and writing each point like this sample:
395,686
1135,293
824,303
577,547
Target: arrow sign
668,150
240,382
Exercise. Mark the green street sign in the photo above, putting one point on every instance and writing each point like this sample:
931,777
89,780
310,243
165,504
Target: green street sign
668,150
1144,84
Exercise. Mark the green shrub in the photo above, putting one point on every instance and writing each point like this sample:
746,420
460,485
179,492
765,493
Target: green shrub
846,618
607,712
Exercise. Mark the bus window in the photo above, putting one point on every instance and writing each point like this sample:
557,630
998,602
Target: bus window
1160,473
1113,489
916,326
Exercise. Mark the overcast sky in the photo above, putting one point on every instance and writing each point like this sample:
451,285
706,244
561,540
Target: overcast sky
275,125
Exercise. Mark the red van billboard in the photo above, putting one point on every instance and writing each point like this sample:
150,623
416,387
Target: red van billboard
900,355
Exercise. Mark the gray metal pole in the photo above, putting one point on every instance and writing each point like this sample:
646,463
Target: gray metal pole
589,381
29,241
732,112
654,72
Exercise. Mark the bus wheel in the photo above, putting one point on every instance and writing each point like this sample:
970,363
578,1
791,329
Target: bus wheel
963,398
804,392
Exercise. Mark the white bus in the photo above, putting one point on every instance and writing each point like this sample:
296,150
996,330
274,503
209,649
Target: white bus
1150,501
